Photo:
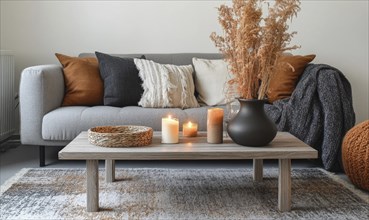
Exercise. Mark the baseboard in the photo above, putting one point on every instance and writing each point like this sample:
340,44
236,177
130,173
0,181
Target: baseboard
10,142
14,137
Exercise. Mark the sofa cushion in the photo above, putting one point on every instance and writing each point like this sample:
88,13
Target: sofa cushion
83,84
166,85
210,79
283,82
66,123
122,85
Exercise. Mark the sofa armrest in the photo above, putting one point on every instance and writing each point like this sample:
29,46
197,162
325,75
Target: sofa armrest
41,91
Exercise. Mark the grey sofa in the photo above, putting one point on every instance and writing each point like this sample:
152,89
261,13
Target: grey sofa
45,123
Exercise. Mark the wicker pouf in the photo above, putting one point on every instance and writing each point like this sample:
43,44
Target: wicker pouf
355,155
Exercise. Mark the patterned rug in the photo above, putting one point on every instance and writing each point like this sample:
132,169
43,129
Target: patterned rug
46,193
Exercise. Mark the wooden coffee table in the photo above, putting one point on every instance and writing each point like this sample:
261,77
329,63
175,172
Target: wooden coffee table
284,148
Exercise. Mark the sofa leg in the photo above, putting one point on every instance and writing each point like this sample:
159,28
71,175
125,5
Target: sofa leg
42,156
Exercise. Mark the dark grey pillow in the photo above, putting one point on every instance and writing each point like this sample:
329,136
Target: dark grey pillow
122,85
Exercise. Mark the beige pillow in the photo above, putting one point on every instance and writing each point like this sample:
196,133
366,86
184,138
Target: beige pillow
211,77
166,85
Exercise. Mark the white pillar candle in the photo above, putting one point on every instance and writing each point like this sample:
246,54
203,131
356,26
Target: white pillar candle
190,129
215,125
169,130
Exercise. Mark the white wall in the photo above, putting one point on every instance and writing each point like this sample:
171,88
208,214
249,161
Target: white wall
337,31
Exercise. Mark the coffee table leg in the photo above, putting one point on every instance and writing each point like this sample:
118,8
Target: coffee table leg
92,185
258,169
284,185
109,171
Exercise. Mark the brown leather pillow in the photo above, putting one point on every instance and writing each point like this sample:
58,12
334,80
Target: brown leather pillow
83,83
284,80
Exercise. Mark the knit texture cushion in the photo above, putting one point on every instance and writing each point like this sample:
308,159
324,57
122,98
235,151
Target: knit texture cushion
83,84
122,85
284,80
211,77
166,85
355,155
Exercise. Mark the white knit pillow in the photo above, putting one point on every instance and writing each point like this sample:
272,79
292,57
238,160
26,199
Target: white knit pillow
211,77
166,85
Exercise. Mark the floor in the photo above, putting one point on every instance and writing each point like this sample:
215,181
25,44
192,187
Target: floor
14,157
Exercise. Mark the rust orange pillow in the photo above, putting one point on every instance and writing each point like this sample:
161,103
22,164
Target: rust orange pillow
83,83
284,80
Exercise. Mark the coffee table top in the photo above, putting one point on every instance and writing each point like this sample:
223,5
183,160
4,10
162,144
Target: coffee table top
284,146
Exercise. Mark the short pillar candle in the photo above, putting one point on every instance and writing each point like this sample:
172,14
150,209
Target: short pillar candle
215,125
169,130
189,129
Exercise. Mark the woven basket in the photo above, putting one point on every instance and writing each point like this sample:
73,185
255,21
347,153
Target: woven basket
120,136
355,155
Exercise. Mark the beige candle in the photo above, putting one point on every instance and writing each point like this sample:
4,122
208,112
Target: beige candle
189,129
169,130
215,125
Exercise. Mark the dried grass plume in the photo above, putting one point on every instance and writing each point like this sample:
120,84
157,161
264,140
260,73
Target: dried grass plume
252,44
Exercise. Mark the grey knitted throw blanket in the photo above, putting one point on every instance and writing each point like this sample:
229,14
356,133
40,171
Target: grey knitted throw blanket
319,112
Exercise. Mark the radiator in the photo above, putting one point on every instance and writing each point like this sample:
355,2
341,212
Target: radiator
7,95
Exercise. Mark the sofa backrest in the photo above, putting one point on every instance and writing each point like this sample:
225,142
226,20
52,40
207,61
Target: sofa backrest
170,58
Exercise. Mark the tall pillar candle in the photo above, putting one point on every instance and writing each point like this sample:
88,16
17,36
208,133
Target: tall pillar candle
215,125
169,130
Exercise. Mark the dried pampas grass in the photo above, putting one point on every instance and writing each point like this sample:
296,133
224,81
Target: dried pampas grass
252,44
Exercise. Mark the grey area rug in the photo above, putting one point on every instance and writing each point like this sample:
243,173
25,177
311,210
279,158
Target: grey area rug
44,193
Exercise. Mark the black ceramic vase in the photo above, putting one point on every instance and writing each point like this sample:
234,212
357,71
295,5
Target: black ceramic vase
251,126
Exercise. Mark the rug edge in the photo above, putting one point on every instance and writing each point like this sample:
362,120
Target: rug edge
360,193
13,179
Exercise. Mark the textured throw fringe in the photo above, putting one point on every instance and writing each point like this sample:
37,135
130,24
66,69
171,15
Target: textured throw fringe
144,84
168,86
182,77
184,83
147,73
